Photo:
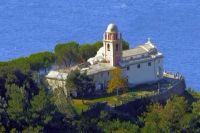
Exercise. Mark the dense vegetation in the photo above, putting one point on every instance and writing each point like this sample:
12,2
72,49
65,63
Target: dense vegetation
68,54
27,106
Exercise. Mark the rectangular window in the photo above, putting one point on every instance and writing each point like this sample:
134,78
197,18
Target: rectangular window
127,68
108,47
117,47
138,66
149,64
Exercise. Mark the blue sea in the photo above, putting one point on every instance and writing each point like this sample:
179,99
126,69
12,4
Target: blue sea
29,26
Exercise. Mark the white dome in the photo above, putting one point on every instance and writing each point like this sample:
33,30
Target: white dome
112,28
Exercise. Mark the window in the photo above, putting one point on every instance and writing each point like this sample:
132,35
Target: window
105,36
117,47
149,64
108,47
127,68
138,66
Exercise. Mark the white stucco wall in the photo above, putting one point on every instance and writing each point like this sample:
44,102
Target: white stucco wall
145,73
159,65
109,54
55,83
101,79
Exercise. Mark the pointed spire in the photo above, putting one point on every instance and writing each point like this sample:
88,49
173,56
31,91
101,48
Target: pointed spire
149,41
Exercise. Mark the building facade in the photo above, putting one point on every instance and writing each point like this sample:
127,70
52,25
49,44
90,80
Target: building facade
140,65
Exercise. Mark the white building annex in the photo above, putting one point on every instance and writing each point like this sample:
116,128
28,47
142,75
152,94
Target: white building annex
143,64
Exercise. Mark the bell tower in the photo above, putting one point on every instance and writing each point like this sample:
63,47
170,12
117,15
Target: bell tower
112,42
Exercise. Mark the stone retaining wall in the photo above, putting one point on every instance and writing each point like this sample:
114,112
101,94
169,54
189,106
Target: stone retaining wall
177,89
138,106
132,109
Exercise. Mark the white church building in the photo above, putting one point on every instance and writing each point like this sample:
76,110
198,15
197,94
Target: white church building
142,64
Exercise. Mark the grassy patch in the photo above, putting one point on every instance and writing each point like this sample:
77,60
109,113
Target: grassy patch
111,100
79,105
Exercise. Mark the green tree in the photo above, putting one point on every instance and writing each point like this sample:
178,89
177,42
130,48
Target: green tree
97,45
174,111
71,81
154,120
63,104
117,81
31,129
117,126
196,108
12,75
86,124
196,116
2,128
188,123
41,60
87,51
3,114
14,130
16,104
80,83
42,109
173,117
125,45
67,54
20,63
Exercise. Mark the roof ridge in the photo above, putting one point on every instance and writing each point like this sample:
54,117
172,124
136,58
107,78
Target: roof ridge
142,46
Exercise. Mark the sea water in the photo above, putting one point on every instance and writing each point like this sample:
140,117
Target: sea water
38,25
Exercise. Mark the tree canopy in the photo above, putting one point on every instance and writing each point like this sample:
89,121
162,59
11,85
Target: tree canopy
41,60
125,45
117,81
67,54
80,83
71,53
116,126
175,116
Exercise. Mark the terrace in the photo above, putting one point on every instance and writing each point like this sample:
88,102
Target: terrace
137,92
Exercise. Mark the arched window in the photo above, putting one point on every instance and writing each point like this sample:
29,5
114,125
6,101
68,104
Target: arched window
116,37
117,47
108,47
108,36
